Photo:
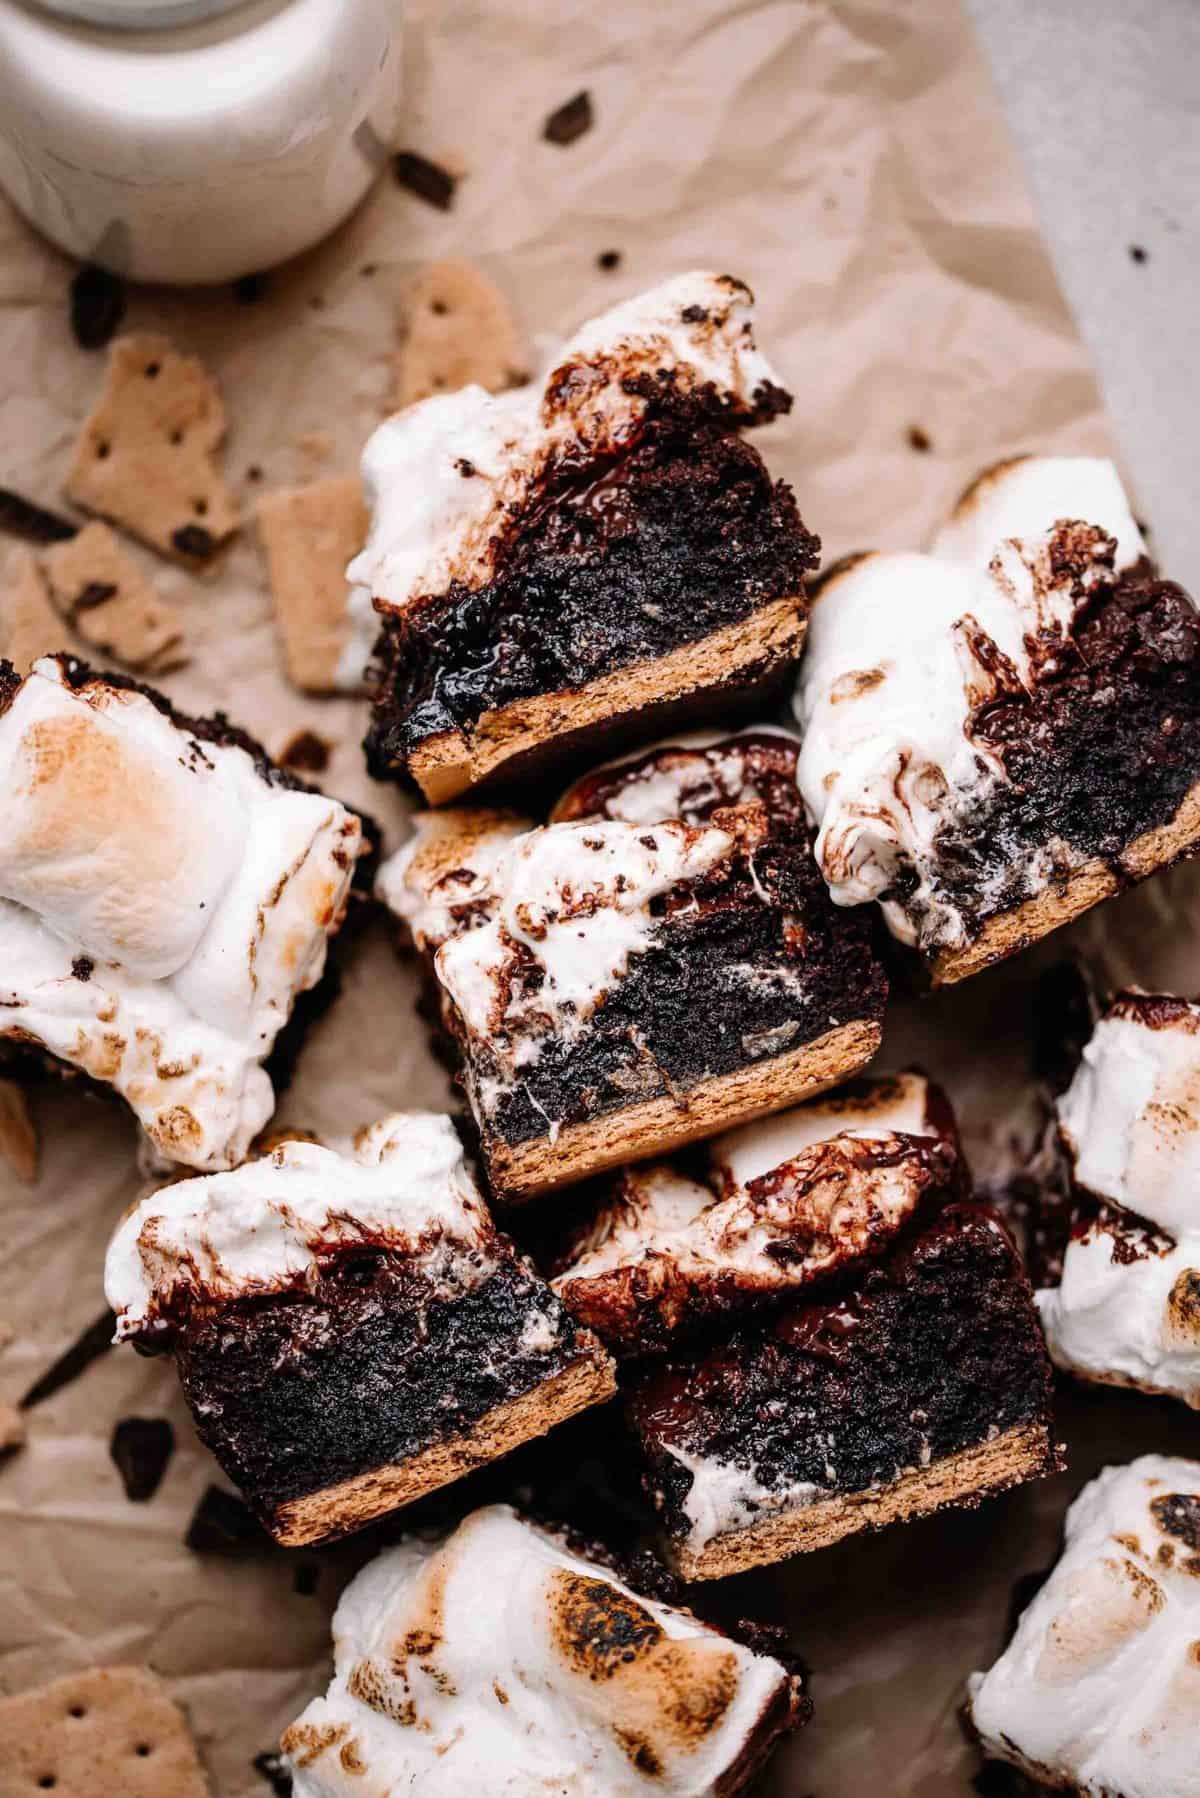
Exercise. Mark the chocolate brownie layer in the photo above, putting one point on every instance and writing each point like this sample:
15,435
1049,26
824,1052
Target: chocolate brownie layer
932,1351
298,1391
614,560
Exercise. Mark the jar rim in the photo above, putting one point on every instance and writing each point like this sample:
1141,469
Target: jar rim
139,15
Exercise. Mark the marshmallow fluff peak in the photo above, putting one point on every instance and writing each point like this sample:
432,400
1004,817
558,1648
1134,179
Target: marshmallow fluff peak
403,1187
903,653
1127,1310
1099,1690
163,900
500,1661
431,526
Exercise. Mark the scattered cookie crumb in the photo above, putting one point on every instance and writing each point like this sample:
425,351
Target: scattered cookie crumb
456,328
309,534
1138,253
368,269
307,753
106,1732
18,1132
919,439
145,458
20,517
249,289
141,1449
12,1430
104,595
254,472
97,306
29,625
608,260
428,180
223,1525
570,120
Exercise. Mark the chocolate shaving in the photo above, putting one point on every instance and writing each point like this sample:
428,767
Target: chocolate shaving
270,1767
97,306
428,180
194,540
919,440
19,517
306,751
608,260
95,1341
1138,253
141,1449
222,1524
249,289
570,120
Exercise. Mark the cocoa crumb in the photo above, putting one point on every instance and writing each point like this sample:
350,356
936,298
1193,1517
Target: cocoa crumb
570,120
306,751
608,260
427,180
919,440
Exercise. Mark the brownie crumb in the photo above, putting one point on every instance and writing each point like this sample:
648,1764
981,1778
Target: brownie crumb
223,1525
249,289
304,1578
19,517
83,967
254,472
608,260
95,1341
368,269
428,180
270,1767
1138,253
141,1449
919,439
569,121
194,540
97,306
306,751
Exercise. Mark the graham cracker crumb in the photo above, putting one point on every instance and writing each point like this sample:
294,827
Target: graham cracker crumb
309,534
97,1734
456,329
113,606
29,625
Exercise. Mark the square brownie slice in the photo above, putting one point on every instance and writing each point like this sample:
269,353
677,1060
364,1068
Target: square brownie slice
556,567
656,963
1002,733
350,1329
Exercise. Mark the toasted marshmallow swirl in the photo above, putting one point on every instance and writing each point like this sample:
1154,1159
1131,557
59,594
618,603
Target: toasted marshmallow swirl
444,475
1127,1310
404,1187
162,903
1099,1690
903,650
500,1662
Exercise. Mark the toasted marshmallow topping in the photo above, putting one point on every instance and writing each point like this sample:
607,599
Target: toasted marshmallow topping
786,1202
445,476
901,652
1099,1689
684,777
161,906
500,1662
404,1187
1127,1310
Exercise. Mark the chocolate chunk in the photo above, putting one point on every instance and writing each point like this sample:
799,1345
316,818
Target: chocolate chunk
83,967
919,440
608,260
570,121
222,1525
97,306
141,1448
304,1578
271,1768
249,289
95,1341
194,540
306,751
428,180
19,517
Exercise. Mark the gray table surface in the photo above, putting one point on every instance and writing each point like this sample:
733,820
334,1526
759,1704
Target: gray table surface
1103,97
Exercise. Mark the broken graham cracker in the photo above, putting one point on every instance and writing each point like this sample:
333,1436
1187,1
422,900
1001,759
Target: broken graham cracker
310,534
18,1132
145,457
109,1732
457,329
111,604
29,625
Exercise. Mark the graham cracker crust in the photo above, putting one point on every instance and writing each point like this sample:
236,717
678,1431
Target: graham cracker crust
451,762
339,1510
1011,931
656,1126
1021,1453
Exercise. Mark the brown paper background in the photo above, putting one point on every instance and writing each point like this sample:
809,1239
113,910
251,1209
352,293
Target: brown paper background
846,157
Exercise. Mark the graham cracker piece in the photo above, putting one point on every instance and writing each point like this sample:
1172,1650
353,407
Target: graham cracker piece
18,1133
309,534
111,604
456,329
146,455
110,1732
29,625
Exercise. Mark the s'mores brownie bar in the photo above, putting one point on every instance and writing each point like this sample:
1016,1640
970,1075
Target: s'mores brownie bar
167,894
601,546
1098,1693
899,1367
1002,733
657,962
510,1660
1123,1307
350,1329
